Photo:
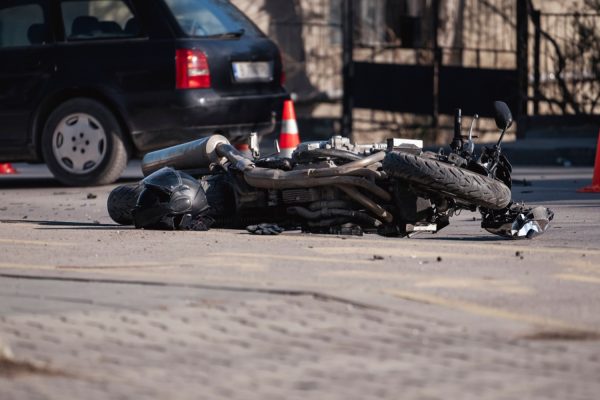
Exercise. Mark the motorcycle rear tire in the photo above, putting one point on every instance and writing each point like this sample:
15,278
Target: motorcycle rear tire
121,202
438,177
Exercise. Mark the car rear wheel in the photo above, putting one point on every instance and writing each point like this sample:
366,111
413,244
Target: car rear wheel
82,144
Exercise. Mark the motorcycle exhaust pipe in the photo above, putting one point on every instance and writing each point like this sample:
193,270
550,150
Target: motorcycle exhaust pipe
197,154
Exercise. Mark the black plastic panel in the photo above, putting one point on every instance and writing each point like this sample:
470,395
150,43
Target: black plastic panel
393,87
409,88
474,90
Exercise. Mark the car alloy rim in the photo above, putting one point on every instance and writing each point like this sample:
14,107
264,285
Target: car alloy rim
79,143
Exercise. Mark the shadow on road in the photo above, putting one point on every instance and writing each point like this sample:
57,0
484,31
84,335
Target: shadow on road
554,190
64,224
28,183
34,176
45,183
490,238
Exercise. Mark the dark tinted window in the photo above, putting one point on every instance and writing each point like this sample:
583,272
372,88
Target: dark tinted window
98,19
210,18
22,24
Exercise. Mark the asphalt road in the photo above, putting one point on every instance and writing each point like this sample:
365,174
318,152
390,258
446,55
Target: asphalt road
89,309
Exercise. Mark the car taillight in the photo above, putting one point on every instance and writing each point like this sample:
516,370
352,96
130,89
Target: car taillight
282,77
191,68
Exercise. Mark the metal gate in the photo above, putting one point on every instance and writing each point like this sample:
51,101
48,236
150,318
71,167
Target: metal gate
566,64
417,60
428,58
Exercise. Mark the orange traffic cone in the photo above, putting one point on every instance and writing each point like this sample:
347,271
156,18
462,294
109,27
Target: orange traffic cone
289,138
7,169
595,186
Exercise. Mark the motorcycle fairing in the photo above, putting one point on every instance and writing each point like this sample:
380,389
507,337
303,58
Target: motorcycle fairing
519,222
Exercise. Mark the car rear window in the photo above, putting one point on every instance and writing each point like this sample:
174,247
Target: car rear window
22,25
205,18
98,19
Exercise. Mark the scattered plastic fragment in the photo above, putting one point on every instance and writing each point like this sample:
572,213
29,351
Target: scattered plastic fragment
519,222
265,229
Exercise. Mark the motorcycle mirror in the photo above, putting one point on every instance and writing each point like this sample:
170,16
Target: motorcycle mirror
503,117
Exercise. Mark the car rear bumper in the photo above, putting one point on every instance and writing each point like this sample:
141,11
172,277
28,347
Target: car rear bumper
187,115
152,140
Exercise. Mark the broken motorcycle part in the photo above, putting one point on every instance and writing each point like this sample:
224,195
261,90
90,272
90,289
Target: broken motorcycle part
518,221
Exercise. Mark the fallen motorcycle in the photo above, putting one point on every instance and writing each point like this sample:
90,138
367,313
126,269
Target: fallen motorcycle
393,189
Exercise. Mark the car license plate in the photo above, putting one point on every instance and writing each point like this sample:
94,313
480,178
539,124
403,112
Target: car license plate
260,71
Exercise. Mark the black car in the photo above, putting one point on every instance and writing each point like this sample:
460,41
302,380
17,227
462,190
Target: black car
85,84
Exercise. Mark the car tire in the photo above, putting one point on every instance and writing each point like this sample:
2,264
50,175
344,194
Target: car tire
82,144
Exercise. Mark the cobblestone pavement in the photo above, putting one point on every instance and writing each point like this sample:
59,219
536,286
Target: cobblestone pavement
91,310
99,341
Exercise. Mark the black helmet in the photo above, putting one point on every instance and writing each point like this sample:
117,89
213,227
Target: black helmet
170,200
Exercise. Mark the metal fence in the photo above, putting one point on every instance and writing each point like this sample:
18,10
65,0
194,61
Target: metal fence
560,73
474,33
566,64
435,56
488,34
310,40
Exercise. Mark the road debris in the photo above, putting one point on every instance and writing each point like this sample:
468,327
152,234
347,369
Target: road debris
265,229
521,182
520,222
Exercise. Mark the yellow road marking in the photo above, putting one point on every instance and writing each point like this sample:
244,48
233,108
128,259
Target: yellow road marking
433,281
554,250
490,250
404,243
220,262
400,252
579,278
503,286
25,266
81,267
156,275
18,224
583,264
366,274
136,265
34,242
485,311
267,257
408,244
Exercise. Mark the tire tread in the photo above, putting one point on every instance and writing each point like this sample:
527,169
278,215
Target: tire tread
435,176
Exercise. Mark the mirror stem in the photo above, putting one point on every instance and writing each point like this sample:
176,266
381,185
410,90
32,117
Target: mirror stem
501,137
